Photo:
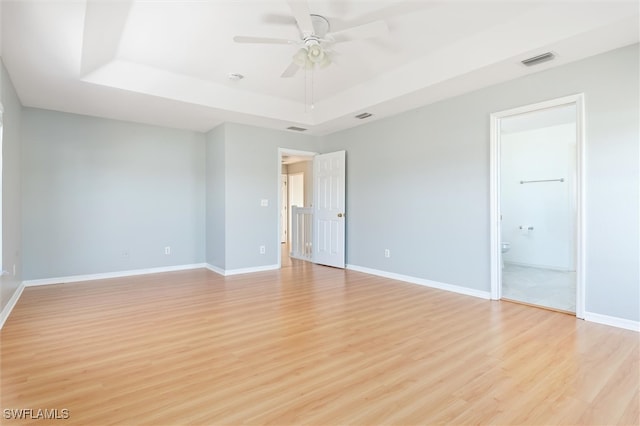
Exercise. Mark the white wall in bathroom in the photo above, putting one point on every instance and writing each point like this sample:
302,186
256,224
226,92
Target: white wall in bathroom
549,207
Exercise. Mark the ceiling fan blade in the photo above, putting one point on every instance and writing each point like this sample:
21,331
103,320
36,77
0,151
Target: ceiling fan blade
300,10
277,19
370,30
265,40
291,70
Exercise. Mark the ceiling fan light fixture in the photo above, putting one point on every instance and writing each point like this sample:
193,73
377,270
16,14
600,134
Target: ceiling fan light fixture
311,55
315,38
326,60
315,53
301,58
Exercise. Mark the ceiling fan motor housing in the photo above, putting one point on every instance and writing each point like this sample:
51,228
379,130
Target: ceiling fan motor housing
320,26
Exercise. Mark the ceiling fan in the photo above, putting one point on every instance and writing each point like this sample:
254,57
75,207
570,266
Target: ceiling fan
316,41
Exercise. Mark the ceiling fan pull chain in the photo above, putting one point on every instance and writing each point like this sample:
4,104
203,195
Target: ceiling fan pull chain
313,105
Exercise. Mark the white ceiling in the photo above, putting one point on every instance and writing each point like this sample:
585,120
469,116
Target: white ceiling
166,62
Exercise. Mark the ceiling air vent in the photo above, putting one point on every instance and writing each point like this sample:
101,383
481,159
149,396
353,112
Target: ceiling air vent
297,129
363,115
539,59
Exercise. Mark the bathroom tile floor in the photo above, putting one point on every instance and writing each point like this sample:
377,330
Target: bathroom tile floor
538,286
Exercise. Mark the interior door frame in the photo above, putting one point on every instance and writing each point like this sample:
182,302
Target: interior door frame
281,152
2,271
284,180
495,225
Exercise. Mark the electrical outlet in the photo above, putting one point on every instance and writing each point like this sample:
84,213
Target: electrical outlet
387,253
167,250
263,249
264,203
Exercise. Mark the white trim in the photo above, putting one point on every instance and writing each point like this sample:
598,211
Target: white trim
494,209
421,281
215,269
494,201
581,180
589,316
228,272
612,321
11,304
119,274
1,174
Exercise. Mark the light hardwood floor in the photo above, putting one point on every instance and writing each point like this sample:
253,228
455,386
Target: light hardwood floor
308,345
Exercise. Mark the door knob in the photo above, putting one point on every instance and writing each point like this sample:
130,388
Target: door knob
340,214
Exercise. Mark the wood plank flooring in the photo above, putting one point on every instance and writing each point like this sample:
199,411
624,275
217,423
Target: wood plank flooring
307,345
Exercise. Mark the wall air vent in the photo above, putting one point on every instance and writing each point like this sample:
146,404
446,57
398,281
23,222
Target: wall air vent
297,129
538,59
363,115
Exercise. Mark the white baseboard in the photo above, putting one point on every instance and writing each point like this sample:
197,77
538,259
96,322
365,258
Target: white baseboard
119,274
4,314
421,281
11,304
228,272
612,321
215,269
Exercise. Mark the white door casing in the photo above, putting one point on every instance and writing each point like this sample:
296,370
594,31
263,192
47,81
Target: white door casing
495,224
284,209
329,209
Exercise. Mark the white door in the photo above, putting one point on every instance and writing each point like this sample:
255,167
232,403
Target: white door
329,209
283,209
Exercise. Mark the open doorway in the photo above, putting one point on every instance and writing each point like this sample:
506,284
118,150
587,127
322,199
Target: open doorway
2,272
536,200
296,193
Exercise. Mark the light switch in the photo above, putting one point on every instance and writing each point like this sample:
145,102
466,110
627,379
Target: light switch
264,203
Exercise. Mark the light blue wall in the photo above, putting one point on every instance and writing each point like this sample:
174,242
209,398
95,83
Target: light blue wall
11,194
94,189
252,174
215,187
418,183
613,182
